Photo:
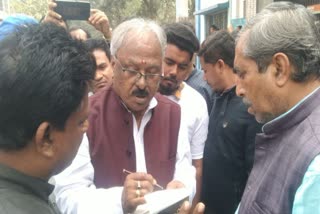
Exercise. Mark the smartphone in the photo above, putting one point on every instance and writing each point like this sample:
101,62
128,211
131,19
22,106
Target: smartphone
73,10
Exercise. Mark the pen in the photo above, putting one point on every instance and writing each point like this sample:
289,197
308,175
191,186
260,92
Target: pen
128,172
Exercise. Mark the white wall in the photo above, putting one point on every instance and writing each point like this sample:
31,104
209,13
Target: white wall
181,9
205,4
209,3
237,9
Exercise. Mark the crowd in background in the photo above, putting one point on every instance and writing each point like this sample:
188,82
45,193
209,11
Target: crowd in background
95,125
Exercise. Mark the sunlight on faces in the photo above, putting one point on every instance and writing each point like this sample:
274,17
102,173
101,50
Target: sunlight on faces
104,70
176,69
141,53
257,89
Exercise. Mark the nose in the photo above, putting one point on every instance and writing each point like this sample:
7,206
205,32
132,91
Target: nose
98,76
173,70
141,82
239,89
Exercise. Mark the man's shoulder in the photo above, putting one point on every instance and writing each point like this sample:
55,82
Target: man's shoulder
165,101
192,96
235,107
20,203
100,95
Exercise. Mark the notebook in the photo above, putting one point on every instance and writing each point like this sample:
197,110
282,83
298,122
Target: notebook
163,201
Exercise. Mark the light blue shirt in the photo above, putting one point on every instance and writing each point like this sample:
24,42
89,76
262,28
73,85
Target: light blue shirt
307,197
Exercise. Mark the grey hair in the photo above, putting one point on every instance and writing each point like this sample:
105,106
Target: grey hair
288,28
139,26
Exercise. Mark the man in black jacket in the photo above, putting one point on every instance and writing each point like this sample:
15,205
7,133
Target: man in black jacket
229,149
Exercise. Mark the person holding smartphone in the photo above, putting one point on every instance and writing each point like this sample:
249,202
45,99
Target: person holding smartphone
97,19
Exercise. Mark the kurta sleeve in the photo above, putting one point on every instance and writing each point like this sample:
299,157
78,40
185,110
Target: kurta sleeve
75,192
184,171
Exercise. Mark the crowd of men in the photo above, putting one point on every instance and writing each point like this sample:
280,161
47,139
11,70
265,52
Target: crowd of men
106,122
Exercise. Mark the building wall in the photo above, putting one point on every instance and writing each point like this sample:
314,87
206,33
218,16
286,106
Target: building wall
204,21
182,9
250,8
262,3
4,6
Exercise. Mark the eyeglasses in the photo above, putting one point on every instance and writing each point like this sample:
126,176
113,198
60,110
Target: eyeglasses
149,78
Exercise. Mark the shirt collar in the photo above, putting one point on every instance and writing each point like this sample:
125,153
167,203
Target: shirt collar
177,93
153,103
290,110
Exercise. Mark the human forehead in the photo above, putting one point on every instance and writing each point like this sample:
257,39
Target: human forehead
143,51
99,53
172,52
204,65
242,62
141,40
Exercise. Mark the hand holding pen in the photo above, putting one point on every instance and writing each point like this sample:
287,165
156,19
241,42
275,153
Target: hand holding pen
138,182
136,186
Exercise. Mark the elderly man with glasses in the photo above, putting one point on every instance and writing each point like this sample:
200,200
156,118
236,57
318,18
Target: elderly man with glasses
132,129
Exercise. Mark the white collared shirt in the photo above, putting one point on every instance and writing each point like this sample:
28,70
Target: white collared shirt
75,192
195,117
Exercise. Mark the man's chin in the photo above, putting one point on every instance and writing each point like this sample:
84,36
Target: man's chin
143,100
166,90
250,110
138,103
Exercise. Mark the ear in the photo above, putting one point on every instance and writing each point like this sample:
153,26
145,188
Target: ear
282,71
113,63
43,140
220,64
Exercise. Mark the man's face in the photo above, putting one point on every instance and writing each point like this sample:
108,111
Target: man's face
103,72
212,75
176,67
143,55
70,138
257,89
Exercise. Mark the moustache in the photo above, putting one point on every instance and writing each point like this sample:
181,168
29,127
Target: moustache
140,93
172,79
246,102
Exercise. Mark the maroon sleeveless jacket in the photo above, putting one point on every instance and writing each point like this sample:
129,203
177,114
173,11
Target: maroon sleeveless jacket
111,140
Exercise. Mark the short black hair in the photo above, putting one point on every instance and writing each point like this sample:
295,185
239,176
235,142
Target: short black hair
101,44
183,37
219,45
215,27
189,24
44,76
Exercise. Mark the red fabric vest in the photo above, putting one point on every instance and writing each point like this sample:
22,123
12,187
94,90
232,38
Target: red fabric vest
111,139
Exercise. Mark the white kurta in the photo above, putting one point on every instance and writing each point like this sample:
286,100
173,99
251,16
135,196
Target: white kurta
75,192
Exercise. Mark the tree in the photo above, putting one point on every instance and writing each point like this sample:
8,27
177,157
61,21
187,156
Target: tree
162,11
35,8
119,10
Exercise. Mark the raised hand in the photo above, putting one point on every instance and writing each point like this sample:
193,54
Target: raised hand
100,21
52,16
